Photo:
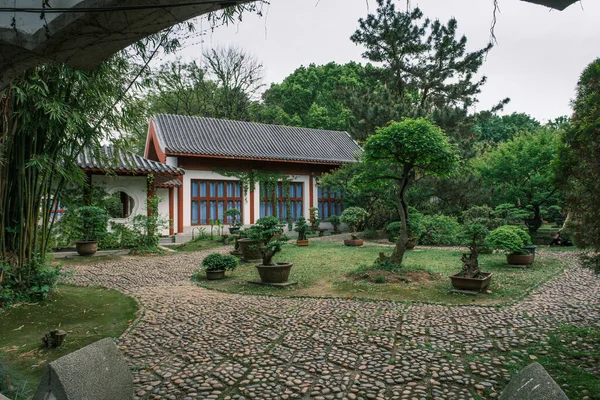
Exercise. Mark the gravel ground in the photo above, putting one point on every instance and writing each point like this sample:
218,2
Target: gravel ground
192,343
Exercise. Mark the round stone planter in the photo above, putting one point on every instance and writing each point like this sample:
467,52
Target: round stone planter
412,242
248,252
215,275
473,284
86,247
354,242
519,259
302,243
278,273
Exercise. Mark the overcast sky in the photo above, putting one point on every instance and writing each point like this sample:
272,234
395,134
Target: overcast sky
537,61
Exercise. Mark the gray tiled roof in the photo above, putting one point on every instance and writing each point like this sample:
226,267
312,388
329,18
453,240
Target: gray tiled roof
178,134
108,158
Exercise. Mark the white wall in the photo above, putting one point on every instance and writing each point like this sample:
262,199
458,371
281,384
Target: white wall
163,208
134,186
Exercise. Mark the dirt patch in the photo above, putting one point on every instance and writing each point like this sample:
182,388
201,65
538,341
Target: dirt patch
381,276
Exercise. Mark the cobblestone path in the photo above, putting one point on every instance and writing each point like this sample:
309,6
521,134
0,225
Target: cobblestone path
192,343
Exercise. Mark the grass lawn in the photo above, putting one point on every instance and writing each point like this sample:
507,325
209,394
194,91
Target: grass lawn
86,314
323,268
198,245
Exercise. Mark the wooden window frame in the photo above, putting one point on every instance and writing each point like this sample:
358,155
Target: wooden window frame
329,202
225,199
280,201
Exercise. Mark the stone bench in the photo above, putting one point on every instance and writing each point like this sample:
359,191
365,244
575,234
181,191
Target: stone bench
533,383
95,372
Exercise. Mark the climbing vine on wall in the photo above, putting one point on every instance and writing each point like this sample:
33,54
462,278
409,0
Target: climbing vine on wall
269,181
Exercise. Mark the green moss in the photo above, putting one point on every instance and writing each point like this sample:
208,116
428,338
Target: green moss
86,314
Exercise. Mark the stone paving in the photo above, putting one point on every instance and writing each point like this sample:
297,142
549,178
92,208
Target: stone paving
193,343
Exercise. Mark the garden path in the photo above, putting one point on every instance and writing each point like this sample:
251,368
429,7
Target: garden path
193,343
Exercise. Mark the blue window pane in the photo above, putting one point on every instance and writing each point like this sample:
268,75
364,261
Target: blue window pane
221,205
229,189
238,190
292,191
221,187
298,209
202,189
320,192
213,189
238,205
194,189
194,212
299,190
203,219
213,210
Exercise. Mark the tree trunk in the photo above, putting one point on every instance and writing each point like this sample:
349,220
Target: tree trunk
471,263
533,224
402,241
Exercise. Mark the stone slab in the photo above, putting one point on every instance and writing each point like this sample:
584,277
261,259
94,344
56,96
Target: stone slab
280,285
95,372
533,383
466,292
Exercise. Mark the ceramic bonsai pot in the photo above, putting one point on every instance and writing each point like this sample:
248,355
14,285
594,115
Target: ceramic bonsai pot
249,253
531,250
234,230
473,284
278,273
302,243
86,247
412,242
354,242
215,275
519,259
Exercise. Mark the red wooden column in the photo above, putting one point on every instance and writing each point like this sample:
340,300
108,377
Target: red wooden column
311,183
251,205
180,206
171,211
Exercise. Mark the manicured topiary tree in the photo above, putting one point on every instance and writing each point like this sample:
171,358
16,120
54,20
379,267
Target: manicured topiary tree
268,230
354,217
472,235
509,238
302,228
396,152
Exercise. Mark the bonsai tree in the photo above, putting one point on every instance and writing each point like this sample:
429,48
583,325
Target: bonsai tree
509,238
354,217
335,221
398,152
91,222
472,235
235,217
264,231
302,228
220,262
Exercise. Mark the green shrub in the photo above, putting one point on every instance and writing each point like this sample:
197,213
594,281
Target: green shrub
509,238
440,230
40,282
90,222
220,262
379,279
264,231
354,217
393,230
370,234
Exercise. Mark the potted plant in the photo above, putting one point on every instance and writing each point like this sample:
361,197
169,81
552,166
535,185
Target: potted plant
334,220
353,217
216,264
314,219
512,240
264,231
470,277
302,228
235,217
91,223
